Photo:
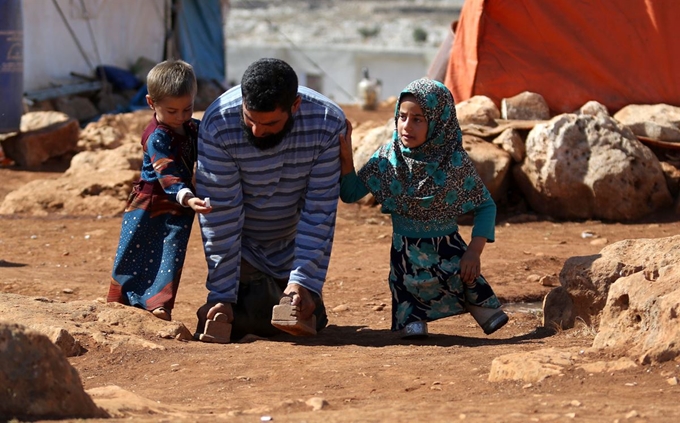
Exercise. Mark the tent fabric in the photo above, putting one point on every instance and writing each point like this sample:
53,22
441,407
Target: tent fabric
570,51
201,37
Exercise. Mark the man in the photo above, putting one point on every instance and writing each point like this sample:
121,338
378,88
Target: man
268,159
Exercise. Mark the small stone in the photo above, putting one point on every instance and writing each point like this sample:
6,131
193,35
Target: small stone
67,291
317,403
575,403
631,414
341,307
672,381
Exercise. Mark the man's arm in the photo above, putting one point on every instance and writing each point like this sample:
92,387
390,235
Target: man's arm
317,220
217,177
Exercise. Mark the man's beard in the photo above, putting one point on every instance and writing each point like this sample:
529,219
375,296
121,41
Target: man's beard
269,141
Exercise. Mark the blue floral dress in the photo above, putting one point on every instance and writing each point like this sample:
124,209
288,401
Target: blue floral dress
156,228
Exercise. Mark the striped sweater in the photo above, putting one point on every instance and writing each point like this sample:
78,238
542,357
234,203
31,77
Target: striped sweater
275,208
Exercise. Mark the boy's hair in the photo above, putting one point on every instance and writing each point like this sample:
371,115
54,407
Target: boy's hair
171,78
269,84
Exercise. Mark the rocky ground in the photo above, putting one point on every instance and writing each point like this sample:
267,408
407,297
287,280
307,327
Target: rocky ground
356,369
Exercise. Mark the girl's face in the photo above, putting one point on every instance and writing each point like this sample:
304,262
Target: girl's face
411,123
173,111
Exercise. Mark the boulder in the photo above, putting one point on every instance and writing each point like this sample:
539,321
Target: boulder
587,279
525,106
641,315
479,110
38,381
589,167
42,136
492,164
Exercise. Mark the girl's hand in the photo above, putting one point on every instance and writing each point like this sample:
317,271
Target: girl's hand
470,267
470,263
346,160
198,205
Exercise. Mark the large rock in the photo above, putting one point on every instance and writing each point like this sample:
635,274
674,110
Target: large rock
96,194
589,167
525,106
512,142
42,136
587,279
96,183
477,110
641,315
656,121
492,164
37,380
112,131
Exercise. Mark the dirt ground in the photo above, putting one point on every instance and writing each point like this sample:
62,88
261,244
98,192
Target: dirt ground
362,371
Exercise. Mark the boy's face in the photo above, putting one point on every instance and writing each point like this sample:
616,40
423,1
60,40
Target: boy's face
173,111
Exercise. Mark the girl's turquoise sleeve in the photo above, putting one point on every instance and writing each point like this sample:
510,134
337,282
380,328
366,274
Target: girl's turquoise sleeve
484,223
351,188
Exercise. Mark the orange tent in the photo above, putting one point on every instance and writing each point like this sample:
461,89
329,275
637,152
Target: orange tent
617,52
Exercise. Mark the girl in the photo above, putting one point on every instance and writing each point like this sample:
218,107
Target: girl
160,210
425,180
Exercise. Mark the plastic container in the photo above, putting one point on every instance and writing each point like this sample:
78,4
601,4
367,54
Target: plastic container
11,65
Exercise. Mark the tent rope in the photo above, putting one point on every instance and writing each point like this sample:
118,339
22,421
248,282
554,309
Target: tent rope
88,18
73,35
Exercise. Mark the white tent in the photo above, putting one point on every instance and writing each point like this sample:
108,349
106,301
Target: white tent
63,37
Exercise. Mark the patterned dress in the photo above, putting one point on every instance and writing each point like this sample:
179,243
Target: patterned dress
156,228
425,189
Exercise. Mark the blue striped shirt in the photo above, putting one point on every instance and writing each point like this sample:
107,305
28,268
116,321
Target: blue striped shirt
275,208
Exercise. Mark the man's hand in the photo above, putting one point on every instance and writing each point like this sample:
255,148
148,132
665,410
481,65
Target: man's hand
302,298
209,310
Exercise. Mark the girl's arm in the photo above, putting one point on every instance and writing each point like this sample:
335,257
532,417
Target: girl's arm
483,231
351,187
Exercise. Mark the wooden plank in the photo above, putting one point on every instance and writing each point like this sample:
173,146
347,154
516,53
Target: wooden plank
62,91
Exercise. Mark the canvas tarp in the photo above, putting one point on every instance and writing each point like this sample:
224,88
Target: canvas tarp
617,52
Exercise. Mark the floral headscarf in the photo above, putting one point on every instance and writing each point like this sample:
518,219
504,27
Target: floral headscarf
435,181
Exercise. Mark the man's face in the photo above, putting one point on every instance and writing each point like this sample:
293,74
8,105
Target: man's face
266,130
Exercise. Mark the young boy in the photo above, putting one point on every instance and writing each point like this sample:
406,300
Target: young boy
160,209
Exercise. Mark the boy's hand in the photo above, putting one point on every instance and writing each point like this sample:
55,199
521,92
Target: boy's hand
346,161
198,205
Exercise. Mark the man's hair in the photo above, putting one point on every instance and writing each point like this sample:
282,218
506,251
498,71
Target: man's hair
269,84
171,78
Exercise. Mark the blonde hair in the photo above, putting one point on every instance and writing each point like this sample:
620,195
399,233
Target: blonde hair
171,78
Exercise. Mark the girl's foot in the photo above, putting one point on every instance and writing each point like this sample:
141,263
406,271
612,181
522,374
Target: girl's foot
414,330
490,319
161,313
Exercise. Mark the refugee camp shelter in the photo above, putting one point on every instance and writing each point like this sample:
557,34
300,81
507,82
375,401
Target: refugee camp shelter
67,38
569,51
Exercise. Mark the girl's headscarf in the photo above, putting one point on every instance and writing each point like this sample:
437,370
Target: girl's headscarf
435,181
